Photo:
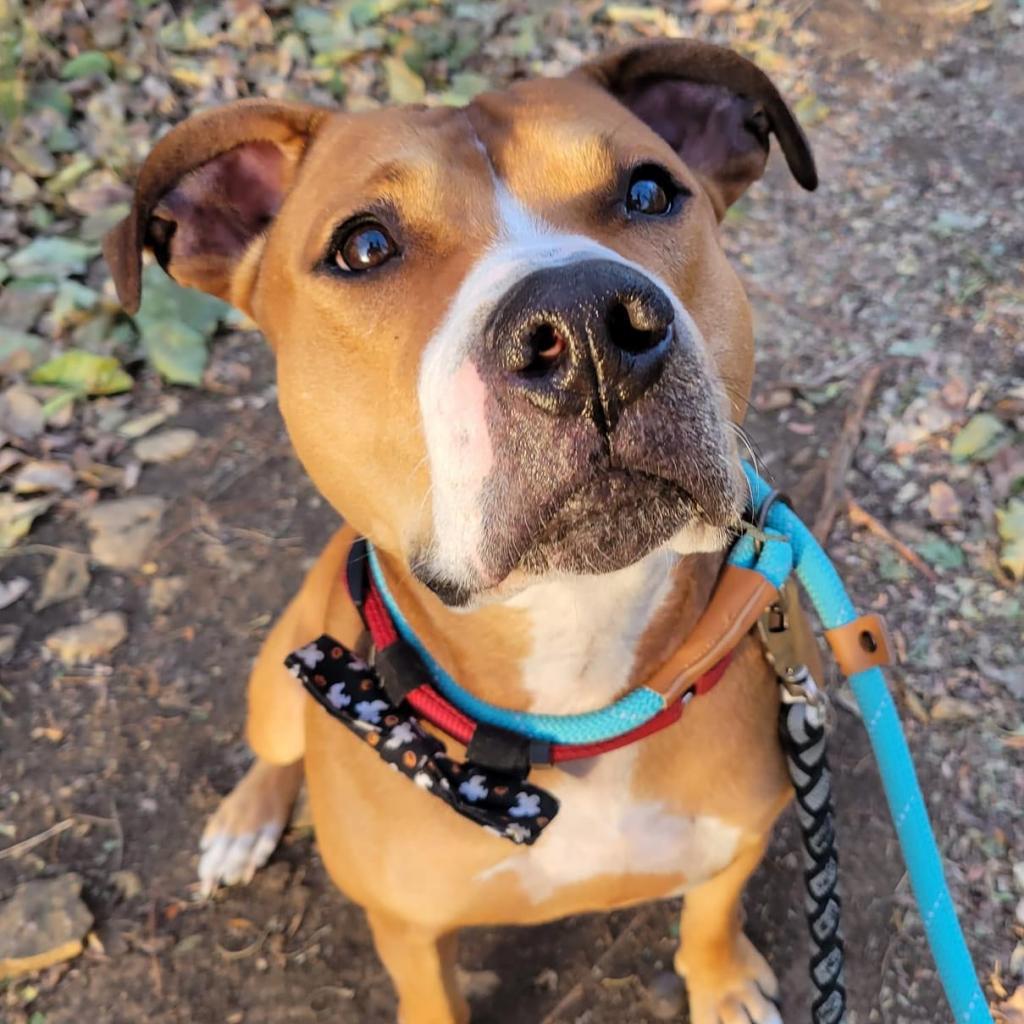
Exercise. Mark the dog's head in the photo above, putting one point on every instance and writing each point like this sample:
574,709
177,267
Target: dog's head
508,340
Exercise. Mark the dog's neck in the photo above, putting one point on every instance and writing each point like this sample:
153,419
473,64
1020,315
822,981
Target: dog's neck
567,645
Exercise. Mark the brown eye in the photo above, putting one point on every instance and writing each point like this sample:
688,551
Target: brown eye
366,246
651,192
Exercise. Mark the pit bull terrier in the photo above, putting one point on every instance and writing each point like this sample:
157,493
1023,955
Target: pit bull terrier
512,354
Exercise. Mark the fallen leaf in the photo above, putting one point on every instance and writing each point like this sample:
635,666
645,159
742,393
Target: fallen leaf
44,475
166,446
123,529
21,414
943,504
404,85
92,62
978,439
85,373
174,324
1011,529
19,350
9,636
477,985
66,578
90,640
16,518
52,258
953,709
141,425
13,590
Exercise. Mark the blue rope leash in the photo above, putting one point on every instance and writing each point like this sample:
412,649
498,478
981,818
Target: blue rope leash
787,547
906,803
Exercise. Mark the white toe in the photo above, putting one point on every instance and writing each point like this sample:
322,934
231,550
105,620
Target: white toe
236,859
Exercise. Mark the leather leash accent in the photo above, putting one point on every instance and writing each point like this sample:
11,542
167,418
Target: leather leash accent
739,598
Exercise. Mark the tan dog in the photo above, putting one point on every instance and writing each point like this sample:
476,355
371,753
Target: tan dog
512,353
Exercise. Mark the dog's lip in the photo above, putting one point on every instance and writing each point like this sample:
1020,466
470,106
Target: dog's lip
615,491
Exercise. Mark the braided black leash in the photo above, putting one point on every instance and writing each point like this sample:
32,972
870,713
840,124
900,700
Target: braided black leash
802,728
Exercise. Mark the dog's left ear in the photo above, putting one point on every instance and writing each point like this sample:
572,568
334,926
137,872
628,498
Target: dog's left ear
713,107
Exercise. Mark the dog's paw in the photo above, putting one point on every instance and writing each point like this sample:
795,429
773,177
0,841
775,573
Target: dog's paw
743,990
247,826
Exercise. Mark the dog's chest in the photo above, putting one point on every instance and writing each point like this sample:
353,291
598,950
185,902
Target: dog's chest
606,829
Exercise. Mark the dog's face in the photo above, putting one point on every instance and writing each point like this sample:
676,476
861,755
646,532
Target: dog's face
508,341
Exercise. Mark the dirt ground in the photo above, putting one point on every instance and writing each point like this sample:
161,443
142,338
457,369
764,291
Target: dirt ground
908,258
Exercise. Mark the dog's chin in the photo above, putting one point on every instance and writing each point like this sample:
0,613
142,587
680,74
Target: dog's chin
608,524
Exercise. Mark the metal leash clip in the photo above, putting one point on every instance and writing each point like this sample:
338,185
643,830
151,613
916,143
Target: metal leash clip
796,684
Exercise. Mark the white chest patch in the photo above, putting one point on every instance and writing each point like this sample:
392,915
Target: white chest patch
602,830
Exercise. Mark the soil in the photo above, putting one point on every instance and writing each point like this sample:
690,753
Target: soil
144,751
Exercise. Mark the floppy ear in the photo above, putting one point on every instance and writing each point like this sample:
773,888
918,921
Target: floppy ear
713,107
209,188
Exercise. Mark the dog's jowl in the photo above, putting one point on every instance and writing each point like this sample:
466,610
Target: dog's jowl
513,356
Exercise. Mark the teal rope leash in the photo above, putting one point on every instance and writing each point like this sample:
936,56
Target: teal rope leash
789,543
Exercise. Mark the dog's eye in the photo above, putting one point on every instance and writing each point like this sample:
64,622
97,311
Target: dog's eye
651,192
364,246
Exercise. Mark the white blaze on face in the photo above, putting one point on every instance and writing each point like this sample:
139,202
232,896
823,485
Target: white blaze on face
453,398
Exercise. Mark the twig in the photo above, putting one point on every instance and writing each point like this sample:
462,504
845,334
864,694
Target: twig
31,843
834,484
861,517
597,972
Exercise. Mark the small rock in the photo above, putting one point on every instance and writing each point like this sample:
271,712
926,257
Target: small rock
12,590
546,980
1017,960
476,984
166,446
665,996
89,640
44,475
1018,874
20,414
42,924
1019,912
123,530
164,591
953,709
67,577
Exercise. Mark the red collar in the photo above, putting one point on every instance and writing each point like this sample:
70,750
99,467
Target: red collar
407,678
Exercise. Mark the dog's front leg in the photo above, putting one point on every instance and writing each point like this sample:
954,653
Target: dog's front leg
422,967
727,979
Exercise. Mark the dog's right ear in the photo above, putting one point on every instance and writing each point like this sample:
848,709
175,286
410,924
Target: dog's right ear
210,187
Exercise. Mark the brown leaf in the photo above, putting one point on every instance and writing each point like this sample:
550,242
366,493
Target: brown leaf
943,504
1012,1010
67,577
88,641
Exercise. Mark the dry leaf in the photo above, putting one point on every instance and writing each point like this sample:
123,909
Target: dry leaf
67,577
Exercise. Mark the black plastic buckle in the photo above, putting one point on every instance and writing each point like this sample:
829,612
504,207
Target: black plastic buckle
401,670
501,750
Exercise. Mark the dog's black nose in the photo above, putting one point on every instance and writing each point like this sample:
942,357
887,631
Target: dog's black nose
586,337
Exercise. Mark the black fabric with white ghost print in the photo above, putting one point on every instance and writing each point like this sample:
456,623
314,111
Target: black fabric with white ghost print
350,690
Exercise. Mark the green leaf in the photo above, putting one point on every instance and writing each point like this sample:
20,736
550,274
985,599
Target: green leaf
177,352
979,439
941,553
404,85
52,258
174,324
84,373
23,344
92,62
1011,529
465,85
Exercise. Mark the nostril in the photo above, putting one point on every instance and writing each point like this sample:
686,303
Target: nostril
635,327
545,346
